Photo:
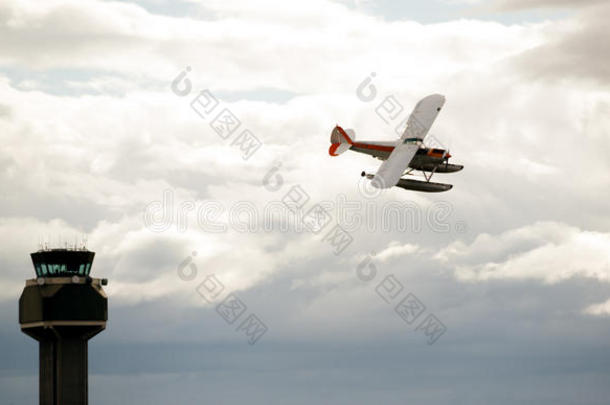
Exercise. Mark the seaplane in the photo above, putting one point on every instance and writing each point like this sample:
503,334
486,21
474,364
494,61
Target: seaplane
403,156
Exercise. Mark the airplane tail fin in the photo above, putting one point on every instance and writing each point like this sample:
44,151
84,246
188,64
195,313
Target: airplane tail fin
341,140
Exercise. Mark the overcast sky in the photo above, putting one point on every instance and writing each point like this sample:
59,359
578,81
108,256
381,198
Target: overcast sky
106,135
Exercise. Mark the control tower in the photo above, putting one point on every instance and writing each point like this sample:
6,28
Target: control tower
62,308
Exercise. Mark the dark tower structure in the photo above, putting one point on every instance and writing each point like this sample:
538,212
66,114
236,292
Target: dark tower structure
62,308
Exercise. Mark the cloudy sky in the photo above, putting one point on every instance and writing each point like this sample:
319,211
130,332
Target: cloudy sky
111,129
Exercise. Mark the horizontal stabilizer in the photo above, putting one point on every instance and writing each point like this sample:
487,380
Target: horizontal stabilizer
338,148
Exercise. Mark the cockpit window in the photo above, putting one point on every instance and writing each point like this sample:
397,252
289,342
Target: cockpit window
410,140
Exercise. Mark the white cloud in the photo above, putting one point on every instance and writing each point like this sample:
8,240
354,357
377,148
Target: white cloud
247,47
549,252
601,309
96,160
396,250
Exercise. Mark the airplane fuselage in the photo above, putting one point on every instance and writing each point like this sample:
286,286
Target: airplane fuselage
426,159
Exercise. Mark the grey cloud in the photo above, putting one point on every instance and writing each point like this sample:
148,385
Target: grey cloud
580,53
499,332
146,261
62,31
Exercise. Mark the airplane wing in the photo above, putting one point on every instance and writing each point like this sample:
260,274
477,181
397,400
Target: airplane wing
393,168
418,125
423,116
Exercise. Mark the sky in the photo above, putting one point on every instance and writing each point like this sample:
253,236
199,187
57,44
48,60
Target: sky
113,125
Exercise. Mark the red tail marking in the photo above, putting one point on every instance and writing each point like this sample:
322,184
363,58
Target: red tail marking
333,149
347,138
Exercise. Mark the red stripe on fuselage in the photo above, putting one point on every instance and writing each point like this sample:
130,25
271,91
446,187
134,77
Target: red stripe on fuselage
389,149
374,147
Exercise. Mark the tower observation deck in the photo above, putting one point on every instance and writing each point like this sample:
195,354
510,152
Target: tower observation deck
62,308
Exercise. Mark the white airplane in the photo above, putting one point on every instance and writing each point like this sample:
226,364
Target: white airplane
403,156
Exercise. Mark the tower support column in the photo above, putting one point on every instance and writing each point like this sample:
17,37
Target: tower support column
63,371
